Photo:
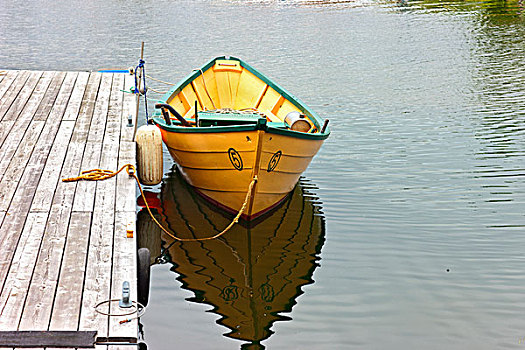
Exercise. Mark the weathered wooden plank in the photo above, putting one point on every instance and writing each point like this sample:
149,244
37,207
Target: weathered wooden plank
72,270
18,209
85,192
128,109
124,269
85,114
10,229
55,155
23,120
19,277
9,182
9,77
51,173
9,234
76,97
98,271
85,195
126,185
32,83
5,128
115,109
38,151
61,101
50,96
31,339
98,124
66,308
11,94
37,311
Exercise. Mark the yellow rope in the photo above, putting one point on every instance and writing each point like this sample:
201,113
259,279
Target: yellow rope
99,174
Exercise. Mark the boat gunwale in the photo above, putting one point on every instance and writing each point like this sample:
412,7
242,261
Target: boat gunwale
288,96
178,128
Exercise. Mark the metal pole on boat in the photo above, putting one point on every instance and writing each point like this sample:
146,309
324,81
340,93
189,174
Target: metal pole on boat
324,126
196,115
139,77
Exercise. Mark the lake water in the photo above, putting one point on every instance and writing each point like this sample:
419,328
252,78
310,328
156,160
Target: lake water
415,205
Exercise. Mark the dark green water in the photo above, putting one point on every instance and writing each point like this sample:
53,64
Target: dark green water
422,182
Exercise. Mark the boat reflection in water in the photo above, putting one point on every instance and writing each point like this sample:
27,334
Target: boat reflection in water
254,272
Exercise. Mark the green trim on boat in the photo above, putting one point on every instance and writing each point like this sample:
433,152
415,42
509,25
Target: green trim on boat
178,128
318,122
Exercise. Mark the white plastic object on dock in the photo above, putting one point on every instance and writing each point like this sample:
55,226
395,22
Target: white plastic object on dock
149,155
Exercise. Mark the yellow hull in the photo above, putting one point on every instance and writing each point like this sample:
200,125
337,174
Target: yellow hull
233,124
222,165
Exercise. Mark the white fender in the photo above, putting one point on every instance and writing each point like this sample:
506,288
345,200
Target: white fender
149,155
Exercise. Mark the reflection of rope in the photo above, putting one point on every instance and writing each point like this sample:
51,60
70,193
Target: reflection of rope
99,174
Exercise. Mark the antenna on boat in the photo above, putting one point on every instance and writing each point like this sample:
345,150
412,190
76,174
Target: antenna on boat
324,126
196,115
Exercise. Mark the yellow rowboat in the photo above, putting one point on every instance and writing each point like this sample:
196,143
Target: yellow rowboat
227,124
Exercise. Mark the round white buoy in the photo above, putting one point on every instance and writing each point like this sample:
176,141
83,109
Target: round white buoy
149,154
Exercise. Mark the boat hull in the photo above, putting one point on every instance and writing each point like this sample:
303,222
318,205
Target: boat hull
221,166
227,124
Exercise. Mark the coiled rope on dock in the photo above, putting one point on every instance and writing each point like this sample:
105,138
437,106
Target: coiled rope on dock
100,174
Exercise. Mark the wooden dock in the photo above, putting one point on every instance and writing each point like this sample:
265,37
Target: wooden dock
63,246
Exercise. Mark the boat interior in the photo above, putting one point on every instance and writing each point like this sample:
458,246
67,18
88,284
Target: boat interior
228,94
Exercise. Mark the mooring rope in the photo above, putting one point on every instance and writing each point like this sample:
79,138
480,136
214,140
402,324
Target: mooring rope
157,91
100,174
158,80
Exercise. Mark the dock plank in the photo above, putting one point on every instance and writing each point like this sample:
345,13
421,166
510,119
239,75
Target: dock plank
98,124
84,199
128,110
5,128
23,120
66,308
13,173
19,277
125,184
100,254
98,270
50,96
124,269
8,79
47,267
64,249
12,92
44,193
22,98
85,114
75,100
